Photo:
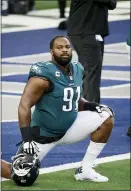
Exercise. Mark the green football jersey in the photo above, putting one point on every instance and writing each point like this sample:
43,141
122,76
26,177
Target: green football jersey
57,109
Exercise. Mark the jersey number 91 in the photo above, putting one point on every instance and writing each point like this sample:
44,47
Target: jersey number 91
68,98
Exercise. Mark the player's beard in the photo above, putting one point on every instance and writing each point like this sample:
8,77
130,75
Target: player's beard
63,61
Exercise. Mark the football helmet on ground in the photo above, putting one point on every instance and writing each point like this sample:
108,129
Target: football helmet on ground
25,169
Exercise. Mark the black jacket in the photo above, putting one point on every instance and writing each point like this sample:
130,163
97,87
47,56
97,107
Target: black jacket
88,17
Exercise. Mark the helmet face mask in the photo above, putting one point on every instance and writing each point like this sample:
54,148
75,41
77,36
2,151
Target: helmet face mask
25,169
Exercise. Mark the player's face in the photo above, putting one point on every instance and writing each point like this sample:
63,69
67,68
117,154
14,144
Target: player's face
62,51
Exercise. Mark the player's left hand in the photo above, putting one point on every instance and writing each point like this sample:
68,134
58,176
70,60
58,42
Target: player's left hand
30,147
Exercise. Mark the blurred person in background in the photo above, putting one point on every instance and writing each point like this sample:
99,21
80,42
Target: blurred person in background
87,27
31,5
21,6
4,7
62,6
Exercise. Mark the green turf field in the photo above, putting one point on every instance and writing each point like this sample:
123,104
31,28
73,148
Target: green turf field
47,4
118,173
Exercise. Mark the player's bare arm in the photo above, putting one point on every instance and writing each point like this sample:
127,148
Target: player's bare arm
5,169
31,95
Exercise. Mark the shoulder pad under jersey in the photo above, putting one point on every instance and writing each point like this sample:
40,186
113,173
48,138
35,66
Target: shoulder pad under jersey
42,70
79,65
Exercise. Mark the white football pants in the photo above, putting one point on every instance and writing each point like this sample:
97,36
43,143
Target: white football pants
86,123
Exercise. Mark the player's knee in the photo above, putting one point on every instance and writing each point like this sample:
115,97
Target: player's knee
109,122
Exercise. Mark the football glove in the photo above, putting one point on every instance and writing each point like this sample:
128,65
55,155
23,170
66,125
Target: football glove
92,106
30,148
108,109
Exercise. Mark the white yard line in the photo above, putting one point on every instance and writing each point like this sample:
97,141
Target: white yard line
116,86
10,91
115,97
103,96
19,59
11,120
13,73
49,23
115,78
77,164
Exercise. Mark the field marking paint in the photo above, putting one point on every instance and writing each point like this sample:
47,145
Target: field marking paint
9,59
77,164
108,97
8,92
13,73
10,120
24,56
116,86
115,78
47,23
121,12
115,97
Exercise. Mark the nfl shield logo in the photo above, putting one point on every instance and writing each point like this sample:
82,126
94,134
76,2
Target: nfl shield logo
57,74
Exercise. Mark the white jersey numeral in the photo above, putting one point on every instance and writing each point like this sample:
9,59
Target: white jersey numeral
68,98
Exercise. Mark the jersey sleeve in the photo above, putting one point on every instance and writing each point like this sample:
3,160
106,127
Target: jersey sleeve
39,70
81,67
81,70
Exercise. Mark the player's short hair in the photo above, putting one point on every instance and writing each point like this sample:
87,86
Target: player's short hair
53,40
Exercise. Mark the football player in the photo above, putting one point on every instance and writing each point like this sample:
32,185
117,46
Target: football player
61,115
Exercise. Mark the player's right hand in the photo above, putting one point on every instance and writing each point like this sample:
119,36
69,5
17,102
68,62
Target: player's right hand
30,147
92,106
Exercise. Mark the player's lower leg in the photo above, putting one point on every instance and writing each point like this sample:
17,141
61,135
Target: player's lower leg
97,143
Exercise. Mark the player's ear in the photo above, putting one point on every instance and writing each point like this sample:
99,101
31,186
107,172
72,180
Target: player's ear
51,51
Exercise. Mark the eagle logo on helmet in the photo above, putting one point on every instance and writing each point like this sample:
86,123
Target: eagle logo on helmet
25,169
